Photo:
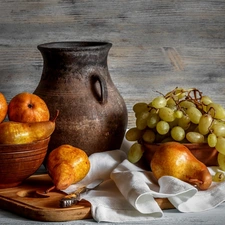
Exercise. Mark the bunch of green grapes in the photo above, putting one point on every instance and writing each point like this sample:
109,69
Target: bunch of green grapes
182,115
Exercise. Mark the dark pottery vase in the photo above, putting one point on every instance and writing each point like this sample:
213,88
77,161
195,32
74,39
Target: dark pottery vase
76,81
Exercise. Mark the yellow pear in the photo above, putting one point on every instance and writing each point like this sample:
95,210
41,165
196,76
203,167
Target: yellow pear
21,133
175,159
67,165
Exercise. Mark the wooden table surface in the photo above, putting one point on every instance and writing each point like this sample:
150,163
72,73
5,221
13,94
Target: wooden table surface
157,45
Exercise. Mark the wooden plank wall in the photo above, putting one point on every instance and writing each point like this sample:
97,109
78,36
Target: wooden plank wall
157,44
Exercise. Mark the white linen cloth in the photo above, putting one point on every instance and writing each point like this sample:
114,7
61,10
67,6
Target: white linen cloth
128,192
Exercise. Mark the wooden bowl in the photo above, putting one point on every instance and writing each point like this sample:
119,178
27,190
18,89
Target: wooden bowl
202,152
18,162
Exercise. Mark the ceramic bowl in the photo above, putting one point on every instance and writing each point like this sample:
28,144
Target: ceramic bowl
18,162
202,152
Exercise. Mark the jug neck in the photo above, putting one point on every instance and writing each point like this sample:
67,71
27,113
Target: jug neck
56,54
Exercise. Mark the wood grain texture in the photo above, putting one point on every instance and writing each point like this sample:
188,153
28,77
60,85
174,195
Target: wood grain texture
24,201
157,45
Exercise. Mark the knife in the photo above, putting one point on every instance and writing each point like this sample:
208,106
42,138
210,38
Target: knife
74,197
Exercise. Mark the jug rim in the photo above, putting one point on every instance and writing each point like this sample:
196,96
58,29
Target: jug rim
74,45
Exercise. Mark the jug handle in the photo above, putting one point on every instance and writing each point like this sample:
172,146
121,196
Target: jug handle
103,88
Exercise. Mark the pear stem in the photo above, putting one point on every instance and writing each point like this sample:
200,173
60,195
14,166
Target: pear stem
50,189
195,181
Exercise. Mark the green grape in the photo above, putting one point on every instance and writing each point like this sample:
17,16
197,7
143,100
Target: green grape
153,111
195,137
215,121
184,122
152,120
172,107
133,134
181,95
140,107
178,90
135,153
216,110
178,114
149,136
194,114
186,104
219,129
206,100
141,121
219,177
166,114
220,145
159,102
212,140
221,161
204,123
140,113
171,102
177,133
162,127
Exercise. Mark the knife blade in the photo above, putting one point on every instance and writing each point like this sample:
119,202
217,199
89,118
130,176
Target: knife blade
74,197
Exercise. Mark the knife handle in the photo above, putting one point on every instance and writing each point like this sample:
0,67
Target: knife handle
67,202
72,198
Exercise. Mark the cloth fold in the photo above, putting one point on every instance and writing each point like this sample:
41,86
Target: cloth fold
128,192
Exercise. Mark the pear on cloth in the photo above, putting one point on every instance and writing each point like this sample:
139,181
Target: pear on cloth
175,159
67,165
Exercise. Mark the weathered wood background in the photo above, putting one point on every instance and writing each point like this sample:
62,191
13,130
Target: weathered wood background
157,44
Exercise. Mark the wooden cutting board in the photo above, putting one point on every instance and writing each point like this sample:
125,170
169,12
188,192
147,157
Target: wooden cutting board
23,201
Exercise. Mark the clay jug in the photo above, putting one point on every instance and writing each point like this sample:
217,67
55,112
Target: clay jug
75,79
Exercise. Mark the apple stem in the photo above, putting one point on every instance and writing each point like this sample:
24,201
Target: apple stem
57,114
